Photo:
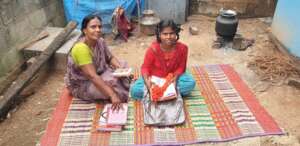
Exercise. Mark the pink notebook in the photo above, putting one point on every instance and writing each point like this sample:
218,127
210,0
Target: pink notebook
103,126
117,117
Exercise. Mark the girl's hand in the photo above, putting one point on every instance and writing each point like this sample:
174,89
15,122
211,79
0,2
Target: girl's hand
148,83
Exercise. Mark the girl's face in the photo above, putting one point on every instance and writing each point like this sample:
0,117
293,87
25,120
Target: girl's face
168,36
93,29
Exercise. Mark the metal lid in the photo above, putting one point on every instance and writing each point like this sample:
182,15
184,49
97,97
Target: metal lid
148,12
149,18
150,21
228,13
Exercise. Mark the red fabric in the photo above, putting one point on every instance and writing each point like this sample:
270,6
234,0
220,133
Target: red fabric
161,63
55,124
261,115
124,26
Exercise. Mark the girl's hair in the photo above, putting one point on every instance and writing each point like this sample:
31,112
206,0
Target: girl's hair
87,19
167,23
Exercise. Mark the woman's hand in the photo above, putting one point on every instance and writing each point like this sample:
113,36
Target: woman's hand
116,102
115,63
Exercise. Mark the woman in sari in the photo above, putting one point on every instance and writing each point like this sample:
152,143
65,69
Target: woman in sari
165,55
90,67
121,25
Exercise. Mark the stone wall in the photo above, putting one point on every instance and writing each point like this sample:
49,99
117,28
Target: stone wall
245,8
20,21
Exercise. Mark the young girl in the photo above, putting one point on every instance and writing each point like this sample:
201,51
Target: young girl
165,55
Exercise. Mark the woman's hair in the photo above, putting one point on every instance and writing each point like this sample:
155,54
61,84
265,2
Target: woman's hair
87,19
167,23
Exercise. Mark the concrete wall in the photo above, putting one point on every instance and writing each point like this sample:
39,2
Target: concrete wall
21,20
176,9
245,8
286,25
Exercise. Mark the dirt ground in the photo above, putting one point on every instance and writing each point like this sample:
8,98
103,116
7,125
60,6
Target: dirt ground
26,124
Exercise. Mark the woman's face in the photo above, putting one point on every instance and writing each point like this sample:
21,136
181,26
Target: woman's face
121,11
168,36
93,29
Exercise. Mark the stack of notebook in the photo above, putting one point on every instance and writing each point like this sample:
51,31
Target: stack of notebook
122,72
112,120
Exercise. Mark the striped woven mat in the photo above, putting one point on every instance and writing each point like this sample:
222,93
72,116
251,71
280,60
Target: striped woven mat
220,108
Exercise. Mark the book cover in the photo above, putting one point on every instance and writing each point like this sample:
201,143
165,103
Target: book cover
117,117
103,125
170,92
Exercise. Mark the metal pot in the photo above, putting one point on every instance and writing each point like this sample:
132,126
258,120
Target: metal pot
227,23
149,22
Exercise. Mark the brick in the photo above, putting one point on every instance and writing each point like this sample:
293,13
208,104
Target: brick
6,13
48,2
3,40
8,61
245,8
240,8
264,8
51,11
18,9
1,23
208,8
60,7
250,9
44,3
4,2
50,24
59,21
32,5
38,19
19,31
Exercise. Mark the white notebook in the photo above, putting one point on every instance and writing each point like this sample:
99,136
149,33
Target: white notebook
170,91
122,72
